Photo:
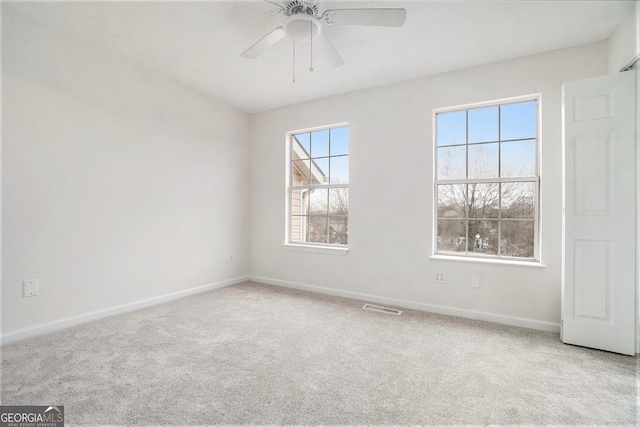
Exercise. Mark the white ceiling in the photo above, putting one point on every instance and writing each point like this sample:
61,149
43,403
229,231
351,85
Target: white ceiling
198,43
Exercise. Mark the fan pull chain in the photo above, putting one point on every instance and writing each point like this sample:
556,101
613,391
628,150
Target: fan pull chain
311,40
294,61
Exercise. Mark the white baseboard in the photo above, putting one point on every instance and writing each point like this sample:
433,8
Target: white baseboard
95,315
449,311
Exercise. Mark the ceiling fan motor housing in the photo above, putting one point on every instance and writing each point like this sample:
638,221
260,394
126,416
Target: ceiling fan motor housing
302,6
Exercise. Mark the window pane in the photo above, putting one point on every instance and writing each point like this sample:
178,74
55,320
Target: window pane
320,143
300,172
452,235
484,200
519,200
518,121
339,201
339,170
318,229
339,141
451,128
483,124
452,201
338,230
452,162
518,158
483,237
320,171
517,238
318,203
483,161
304,145
298,228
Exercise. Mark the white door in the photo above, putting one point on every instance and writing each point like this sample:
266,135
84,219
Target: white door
599,239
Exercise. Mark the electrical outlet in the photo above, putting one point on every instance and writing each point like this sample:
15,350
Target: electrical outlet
440,278
30,288
230,257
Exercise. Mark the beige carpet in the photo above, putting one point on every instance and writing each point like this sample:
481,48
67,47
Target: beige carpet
254,354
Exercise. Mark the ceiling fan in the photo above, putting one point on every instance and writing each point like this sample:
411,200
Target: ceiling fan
304,23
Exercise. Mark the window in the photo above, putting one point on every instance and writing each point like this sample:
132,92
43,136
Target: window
487,180
318,189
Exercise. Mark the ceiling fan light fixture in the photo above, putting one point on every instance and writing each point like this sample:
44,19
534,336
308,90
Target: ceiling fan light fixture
297,27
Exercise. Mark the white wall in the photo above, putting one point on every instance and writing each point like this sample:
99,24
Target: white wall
118,185
624,43
391,193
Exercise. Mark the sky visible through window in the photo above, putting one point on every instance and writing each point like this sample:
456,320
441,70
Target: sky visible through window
327,148
513,124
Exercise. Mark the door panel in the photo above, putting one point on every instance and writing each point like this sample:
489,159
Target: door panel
599,193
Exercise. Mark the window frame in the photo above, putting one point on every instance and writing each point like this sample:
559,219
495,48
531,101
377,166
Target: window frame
469,255
317,247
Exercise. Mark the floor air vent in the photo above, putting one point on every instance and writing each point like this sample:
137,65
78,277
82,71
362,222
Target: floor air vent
381,309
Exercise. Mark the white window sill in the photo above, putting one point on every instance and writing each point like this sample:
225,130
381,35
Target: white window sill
495,261
331,250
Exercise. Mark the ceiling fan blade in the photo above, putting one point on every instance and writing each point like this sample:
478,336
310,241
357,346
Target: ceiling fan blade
329,56
279,9
264,43
377,17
